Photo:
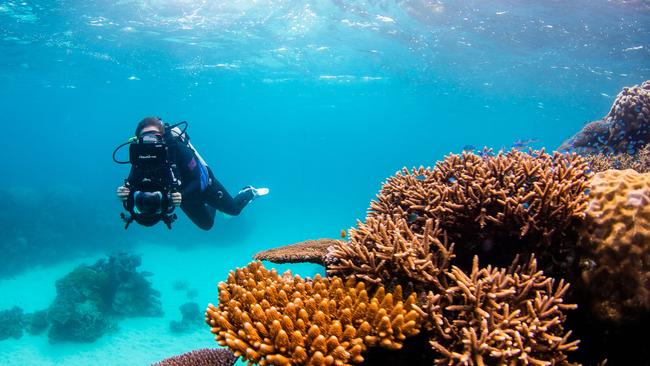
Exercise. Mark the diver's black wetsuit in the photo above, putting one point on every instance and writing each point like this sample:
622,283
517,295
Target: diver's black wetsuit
202,193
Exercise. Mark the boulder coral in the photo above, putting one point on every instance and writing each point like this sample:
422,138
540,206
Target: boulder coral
270,319
625,129
616,241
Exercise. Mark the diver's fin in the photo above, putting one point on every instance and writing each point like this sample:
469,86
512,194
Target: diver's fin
257,192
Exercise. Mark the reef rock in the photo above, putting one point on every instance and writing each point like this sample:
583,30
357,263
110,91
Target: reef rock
11,323
91,299
191,318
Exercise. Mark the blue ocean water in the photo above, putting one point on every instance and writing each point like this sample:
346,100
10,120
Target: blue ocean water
319,101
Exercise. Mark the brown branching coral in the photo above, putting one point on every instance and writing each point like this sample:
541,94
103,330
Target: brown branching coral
616,239
310,251
523,201
270,319
640,161
494,316
386,251
201,357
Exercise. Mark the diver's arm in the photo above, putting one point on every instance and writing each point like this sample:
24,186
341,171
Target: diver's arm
123,191
189,170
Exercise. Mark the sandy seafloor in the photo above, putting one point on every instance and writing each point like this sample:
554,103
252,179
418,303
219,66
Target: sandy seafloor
138,341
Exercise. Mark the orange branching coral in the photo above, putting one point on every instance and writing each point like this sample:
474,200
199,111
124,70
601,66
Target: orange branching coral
201,357
640,161
616,238
513,198
310,251
270,319
500,317
387,251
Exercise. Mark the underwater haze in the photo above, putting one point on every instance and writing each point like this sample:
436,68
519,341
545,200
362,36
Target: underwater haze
318,100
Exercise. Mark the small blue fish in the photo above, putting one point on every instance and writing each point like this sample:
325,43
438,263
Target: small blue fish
469,148
520,144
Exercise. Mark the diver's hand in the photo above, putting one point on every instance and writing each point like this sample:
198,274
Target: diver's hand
176,198
123,193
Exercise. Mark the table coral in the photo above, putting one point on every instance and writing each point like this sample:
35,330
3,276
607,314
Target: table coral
616,239
309,251
270,319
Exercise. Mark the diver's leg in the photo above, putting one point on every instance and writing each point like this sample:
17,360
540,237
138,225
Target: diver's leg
218,197
200,214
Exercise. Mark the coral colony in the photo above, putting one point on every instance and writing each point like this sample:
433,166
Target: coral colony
475,256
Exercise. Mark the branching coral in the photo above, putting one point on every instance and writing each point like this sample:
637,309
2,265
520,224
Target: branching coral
640,161
201,357
523,201
494,316
387,251
625,129
283,320
310,251
616,239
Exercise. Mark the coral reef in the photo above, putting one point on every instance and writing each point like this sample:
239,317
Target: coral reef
201,357
11,323
425,234
192,317
616,241
625,129
91,299
496,316
310,251
495,206
37,322
640,161
283,320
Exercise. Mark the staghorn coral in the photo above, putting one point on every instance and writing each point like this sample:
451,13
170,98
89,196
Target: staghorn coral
386,251
640,161
201,357
625,129
616,241
310,251
494,316
523,201
270,319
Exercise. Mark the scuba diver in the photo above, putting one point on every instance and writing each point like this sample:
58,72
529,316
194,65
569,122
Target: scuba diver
167,172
